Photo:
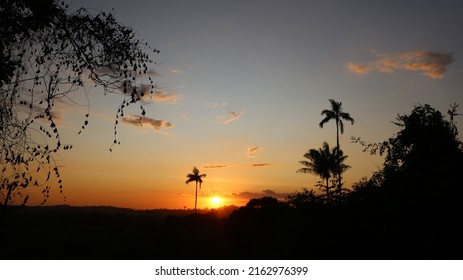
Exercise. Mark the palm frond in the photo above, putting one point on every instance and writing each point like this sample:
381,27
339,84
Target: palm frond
324,162
347,117
195,176
335,106
336,114
329,115
305,170
190,179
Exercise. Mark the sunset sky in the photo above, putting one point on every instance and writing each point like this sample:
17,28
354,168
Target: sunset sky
241,88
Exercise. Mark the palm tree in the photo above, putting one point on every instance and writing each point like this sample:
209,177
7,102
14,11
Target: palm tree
324,162
336,113
195,177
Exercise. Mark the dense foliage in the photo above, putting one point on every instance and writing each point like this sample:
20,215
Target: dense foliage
423,160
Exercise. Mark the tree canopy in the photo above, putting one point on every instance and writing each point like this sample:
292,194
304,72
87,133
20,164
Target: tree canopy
424,159
47,52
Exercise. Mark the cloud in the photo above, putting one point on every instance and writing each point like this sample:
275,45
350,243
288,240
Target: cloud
260,164
430,64
108,72
267,192
140,91
255,165
231,117
215,166
175,70
275,194
181,116
167,97
214,105
149,92
251,151
359,69
38,110
140,120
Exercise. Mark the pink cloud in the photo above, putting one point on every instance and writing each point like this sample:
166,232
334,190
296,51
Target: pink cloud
359,69
167,97
231,117
430,64
140,121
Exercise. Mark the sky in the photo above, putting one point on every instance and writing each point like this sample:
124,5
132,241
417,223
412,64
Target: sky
241,86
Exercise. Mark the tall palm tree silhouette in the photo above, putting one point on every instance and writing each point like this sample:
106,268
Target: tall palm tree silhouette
195,177
324,162
336,113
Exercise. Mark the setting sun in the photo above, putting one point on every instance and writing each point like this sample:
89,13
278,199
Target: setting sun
216,201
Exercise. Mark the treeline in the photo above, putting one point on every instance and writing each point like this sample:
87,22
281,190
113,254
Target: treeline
409,209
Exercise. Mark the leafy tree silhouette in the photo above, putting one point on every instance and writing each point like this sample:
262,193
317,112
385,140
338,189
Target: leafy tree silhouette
424,154
324,162
263,202
47,52
417,192
197,178
303,199
338,115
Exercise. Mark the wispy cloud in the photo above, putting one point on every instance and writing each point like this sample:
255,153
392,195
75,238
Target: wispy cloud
111,72
147,93
215,166
255,165
214,105
260,164
140,121
161,96
357,68
175,70
37,110
181,116
430,64
251,151
231,117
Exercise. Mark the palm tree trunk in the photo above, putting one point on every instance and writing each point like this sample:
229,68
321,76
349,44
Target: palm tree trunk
327,192
196,195
339,163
